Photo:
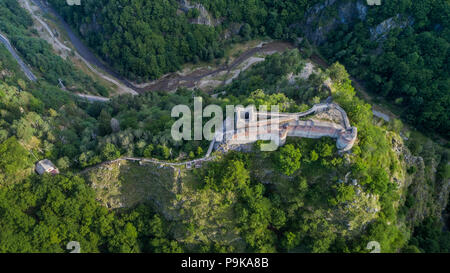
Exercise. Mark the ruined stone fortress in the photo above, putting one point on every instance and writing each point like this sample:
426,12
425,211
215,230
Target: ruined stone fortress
250,126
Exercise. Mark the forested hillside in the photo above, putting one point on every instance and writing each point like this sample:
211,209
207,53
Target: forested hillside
407,63
400,48
16,24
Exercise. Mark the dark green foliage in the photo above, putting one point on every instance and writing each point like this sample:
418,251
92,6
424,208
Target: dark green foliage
267,75
146,39
409,67
288,159
143,39
110,152
429,237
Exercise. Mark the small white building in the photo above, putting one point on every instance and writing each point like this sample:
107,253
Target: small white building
46,166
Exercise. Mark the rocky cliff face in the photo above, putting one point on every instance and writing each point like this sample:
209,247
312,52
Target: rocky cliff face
429,193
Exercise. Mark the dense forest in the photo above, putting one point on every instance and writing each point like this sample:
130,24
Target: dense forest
142,39
15,23
407,62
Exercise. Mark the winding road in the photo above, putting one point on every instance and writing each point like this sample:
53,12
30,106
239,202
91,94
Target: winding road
13,52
